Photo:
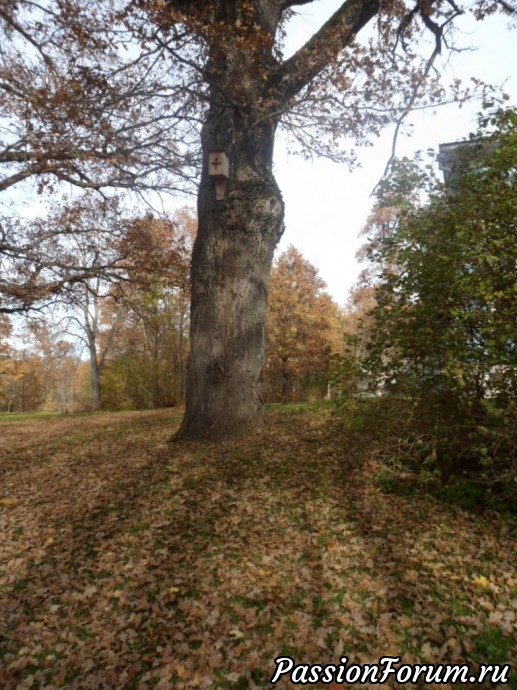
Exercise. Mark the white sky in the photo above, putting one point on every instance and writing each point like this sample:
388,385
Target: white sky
326,205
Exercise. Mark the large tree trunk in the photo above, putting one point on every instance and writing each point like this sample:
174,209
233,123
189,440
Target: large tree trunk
237,235
231,265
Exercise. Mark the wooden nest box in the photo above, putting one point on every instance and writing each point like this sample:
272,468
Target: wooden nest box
219,170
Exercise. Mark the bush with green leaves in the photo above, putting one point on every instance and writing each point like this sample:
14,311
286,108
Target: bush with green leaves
443,332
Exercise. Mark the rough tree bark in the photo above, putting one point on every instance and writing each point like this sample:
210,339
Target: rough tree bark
231,264
237,236
230,276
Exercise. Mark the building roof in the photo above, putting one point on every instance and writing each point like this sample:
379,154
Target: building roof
455,156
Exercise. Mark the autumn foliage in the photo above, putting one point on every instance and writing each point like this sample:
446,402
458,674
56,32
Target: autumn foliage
303,329
118,321
129,326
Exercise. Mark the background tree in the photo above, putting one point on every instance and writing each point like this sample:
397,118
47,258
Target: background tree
80,249
43,257
39,372
22,388
12,368
102,262
402,191
126,306
303,328
146,365
346,367
53,364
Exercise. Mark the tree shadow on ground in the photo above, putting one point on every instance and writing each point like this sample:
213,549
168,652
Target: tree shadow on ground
198,565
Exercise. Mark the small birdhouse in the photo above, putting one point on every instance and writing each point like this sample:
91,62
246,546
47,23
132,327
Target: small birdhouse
219,170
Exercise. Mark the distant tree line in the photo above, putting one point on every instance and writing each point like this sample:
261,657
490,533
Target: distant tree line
116,337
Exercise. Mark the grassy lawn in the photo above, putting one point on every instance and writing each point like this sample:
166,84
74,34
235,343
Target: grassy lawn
6,417
128,562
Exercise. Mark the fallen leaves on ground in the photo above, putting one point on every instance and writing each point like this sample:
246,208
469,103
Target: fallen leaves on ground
127,562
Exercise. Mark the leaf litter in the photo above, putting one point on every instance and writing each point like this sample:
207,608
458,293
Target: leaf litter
127,562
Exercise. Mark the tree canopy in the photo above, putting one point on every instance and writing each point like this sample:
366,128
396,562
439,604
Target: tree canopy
303,327
114,94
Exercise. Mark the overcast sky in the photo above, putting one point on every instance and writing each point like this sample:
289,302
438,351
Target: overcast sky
326,205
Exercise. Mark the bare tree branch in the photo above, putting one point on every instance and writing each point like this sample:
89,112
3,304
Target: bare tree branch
438,33
292,3
325,45
511,9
